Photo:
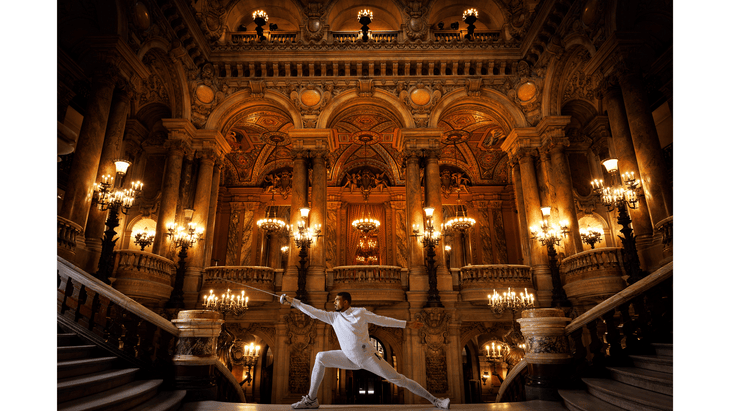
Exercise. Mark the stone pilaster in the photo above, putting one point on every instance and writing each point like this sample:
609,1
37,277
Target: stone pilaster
563,183
298,200
212,210
433,199
318,215
521,218
415,217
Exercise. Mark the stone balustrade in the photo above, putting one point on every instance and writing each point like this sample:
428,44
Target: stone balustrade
144,277
66,240
591,276
222,278
665,227
374,284
479,280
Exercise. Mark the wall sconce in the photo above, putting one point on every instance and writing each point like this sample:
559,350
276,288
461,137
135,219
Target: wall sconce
485,377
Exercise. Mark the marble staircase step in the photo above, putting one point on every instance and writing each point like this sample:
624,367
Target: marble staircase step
88,384
647,379
580,400
75,352
66,339
66,369
663,350
163,401
653,362
627,397
117,399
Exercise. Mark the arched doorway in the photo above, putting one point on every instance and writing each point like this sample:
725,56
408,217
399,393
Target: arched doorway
364,387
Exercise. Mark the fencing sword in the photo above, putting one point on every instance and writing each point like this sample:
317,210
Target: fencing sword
281,297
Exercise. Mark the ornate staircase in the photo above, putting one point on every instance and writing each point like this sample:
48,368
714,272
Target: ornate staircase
91,379
647,385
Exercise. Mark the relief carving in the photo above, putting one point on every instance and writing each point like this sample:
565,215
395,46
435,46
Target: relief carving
301,332
435,335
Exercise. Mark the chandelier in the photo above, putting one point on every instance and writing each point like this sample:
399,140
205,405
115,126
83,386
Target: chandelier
510,301
260,14
469,12
272,224
108,197
227,303
623,191
460,222
430,236
591,235
143,238
367,223
184,237
549,234
305,235
364,13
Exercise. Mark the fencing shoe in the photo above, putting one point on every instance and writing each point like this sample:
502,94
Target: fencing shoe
442,403
307,402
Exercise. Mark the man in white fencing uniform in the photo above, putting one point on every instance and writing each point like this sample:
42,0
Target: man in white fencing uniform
351,327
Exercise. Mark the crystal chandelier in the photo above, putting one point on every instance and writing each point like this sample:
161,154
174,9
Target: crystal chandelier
367,223
184,237
624,191
591,236
143,238
549,234
510,301
227,303
460,222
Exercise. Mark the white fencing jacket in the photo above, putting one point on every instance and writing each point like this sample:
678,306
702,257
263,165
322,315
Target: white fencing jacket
351,327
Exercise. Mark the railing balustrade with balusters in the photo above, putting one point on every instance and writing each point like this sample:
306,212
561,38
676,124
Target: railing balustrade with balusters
66,238
591,276
143,276
478,280
380,283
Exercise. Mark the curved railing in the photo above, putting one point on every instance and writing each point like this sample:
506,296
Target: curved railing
371,283
66,240
666,227
476,280
513,387
144,276
591,276
231,277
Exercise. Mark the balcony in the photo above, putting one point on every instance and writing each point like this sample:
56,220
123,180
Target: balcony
144,277
591,276
66,237
477,281
374,36
214,278
458,35
370,284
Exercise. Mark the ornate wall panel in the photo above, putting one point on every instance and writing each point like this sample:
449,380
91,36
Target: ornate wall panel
331,234
485,235
301,332
500,240
233,247
247,224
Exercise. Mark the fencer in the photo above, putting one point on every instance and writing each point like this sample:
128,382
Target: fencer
351,326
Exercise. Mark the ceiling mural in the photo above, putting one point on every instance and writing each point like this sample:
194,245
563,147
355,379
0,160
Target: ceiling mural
480,148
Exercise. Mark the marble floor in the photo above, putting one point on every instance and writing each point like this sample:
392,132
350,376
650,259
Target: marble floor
515,406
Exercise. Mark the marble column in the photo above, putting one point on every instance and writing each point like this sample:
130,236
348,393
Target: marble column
533,217
433,199
414,213
655,181
318,215
520,204
169,196
624,146
201,205
563,183
111,151
298,200
212,210
77,198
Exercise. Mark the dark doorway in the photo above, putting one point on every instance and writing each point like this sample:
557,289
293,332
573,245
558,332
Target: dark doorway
267,375
471,385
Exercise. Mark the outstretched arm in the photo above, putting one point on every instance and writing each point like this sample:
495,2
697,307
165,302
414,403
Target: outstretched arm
385,321
316,313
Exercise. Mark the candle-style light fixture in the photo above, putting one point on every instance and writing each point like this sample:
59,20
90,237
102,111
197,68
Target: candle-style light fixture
226,303
591,236
509,300
430,239
365,17
260,18
470,17
182,238
143,238
460,224
550,235
110,196
304,237
496,351
249,356
271,224
622,194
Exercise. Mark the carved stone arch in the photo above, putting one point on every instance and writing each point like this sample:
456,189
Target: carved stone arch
447,160
264,168
179,96
351,98
280,11
583,110
387,336
505,111
221,116
559,75
342,165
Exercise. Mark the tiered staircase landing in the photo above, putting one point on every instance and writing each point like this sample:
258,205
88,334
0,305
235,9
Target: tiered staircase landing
90,379
647,385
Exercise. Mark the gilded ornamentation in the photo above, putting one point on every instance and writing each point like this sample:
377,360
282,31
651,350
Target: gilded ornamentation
453,181
301,333
435,335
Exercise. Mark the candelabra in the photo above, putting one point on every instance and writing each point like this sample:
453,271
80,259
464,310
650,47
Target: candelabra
509,301
110,197
248,358
550,235
260,18
183,238
497,352
143,238
227,303
430,239
591,236
621,195
365,17
304,237
470,17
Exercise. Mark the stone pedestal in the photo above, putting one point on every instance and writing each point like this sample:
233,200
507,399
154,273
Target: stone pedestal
195,353
547,352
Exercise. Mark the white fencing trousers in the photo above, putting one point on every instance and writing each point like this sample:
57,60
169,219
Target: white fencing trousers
372,363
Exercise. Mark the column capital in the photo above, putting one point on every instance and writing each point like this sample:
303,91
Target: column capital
311,138
495,204
179,128
114,50
525,154
206,156
520,138
210,140
421,138
177,146
608,88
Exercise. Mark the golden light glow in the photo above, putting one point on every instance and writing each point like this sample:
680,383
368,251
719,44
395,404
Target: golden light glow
470,12
260,14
